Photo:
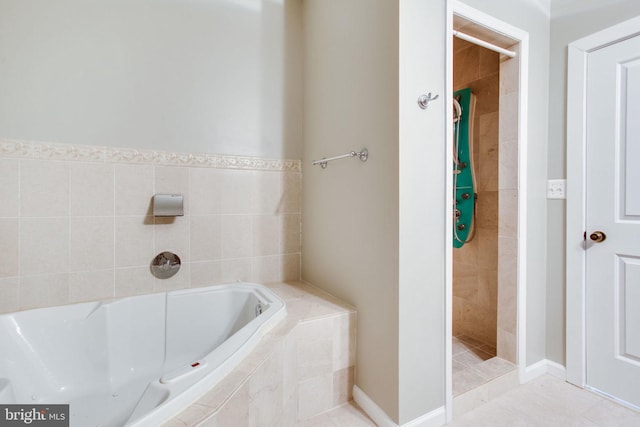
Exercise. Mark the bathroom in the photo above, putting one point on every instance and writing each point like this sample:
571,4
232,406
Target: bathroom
228,102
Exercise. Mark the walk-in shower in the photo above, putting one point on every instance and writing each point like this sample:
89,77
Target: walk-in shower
485,179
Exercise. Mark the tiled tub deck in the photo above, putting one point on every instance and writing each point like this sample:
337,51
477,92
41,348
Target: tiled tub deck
301,368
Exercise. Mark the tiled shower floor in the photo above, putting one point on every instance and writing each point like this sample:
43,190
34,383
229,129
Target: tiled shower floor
475,363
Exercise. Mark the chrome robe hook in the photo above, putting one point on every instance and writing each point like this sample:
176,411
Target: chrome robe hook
424,100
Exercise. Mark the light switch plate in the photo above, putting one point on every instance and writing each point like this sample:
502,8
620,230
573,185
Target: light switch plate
557,189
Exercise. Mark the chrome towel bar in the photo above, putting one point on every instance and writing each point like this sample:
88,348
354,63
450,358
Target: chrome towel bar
362,155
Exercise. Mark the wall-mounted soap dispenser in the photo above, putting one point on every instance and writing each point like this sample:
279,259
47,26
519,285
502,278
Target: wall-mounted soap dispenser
168,205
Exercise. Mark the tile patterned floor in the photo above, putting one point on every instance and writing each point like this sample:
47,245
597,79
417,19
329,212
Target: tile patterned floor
347,415
549,402
543,402
474,363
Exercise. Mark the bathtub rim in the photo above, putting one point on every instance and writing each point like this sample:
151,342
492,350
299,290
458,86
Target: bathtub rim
245,339
245,343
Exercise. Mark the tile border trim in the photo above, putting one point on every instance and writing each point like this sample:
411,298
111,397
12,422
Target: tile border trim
40,150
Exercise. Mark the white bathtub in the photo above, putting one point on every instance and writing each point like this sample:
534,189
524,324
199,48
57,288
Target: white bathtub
135,361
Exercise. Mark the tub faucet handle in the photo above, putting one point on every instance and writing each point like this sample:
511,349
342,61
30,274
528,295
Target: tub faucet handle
168,264
165,265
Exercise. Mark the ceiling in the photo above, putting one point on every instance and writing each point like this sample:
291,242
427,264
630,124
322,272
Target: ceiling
560,8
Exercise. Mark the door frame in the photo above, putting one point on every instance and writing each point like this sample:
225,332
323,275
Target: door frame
456,7
578,51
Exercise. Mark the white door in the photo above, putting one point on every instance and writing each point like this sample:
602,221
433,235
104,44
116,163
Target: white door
613,208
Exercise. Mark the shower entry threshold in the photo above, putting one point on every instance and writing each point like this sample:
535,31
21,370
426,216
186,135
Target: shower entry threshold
478,375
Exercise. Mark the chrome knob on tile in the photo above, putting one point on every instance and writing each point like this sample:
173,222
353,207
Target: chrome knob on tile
598,236
165,265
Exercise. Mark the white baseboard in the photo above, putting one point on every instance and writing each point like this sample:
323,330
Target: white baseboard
557,370
371,409
542,367
435,418
438,416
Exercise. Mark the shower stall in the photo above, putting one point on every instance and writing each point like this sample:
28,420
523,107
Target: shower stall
485,182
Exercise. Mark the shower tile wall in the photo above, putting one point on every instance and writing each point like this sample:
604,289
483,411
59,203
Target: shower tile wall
76,224
475,266
508,209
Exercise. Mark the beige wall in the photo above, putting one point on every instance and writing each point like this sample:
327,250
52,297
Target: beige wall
371,233
75,222
475,265
570,21
350,209
212,76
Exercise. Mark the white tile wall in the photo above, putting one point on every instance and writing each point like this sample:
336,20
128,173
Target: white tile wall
91,189
9,190
76,221
9,246
205,191
314,350
315,396
91,241
44,245
237,235
133,240
9,293
44,188
206,237
133,189
91,285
